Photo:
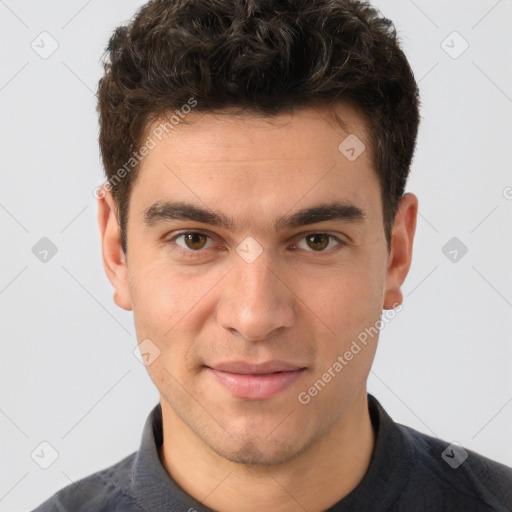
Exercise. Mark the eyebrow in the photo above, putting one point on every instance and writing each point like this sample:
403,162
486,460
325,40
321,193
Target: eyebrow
338,211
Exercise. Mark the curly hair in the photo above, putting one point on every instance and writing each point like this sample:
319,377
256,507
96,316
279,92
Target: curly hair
264,57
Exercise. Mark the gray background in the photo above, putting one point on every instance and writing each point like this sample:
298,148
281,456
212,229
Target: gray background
68,375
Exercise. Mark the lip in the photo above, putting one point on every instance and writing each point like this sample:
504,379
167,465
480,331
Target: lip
256,381
246,368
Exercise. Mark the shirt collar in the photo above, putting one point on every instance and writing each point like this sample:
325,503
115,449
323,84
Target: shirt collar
151,483
153,489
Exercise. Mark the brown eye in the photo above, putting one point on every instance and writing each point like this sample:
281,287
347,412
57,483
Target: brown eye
192,240
195,241
317,241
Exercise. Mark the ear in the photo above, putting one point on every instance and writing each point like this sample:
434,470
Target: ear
400,256
114,259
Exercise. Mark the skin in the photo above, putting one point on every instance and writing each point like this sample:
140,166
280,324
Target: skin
292,303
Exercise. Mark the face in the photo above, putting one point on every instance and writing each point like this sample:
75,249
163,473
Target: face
256,257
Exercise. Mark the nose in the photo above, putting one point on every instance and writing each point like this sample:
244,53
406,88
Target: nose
257,300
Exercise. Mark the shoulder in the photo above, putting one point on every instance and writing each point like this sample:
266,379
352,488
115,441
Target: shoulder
461,476
100,491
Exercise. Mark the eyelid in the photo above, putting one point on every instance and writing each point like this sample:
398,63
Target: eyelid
176,234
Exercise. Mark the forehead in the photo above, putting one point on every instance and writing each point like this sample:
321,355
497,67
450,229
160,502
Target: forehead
227,136
250,163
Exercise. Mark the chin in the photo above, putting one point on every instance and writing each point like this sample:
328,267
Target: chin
260,453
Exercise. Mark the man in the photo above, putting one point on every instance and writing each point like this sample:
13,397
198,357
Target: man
255,222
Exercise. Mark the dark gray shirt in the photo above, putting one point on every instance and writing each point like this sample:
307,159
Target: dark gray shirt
408,472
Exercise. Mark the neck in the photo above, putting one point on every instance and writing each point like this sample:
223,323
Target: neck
315,480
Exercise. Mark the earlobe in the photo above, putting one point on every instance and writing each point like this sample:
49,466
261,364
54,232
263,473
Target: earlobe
114,259
400,256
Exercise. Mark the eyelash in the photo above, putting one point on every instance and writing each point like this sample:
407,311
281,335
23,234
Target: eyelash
190,253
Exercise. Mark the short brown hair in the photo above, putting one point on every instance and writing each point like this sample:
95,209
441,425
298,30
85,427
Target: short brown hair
261,56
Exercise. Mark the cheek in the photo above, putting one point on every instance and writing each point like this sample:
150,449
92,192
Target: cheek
163,295
345,306
344,298
153,299
170,307
164,313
